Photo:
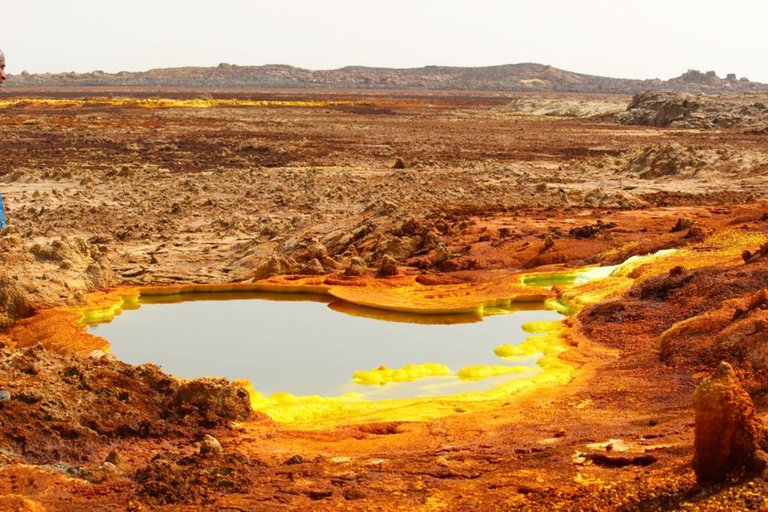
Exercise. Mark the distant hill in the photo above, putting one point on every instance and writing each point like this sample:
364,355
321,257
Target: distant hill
509,77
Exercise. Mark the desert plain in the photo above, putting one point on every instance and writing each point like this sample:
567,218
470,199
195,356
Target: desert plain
381,194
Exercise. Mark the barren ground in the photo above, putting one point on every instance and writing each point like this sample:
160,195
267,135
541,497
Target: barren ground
103,194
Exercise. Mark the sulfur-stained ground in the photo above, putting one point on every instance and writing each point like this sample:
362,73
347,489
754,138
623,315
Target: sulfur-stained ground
454,188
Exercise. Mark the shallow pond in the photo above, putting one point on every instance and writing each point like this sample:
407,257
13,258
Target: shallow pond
307,347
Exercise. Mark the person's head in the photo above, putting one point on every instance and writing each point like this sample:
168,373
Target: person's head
2,67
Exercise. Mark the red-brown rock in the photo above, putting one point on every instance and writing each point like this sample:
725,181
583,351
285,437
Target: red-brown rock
728,432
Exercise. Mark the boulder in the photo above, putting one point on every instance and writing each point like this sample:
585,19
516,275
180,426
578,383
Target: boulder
213,401
357,267
210,446
388,266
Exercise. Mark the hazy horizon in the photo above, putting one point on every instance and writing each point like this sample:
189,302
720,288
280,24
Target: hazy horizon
655,39
719,74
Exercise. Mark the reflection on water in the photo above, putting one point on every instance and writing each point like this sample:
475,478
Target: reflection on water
304,347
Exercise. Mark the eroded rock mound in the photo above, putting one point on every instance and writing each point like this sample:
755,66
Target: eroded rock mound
674,160
64,407
728,433
211,401
357,267
682,110
70,265
273,266
655,108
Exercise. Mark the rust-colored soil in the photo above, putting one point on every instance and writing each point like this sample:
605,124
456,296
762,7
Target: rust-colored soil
299,193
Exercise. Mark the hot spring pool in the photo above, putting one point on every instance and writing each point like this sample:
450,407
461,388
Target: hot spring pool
304,346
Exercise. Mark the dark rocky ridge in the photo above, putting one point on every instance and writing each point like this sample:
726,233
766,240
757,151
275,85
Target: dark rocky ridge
509,77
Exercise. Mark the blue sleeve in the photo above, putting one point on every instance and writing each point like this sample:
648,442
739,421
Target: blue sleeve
2,213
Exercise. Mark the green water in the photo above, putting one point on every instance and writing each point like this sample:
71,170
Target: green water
306,347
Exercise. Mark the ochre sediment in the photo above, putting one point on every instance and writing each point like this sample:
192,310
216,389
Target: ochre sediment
386,204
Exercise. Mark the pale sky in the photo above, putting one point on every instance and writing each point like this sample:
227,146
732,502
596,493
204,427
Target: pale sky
618,38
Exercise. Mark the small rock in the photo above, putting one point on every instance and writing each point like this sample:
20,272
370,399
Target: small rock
549,243
696,232
114,458
430,240
679,270
388,266
5,395
683,223
211,446
318,251
295,459
319,494
108,468
442,254
357,267
314,267
275,265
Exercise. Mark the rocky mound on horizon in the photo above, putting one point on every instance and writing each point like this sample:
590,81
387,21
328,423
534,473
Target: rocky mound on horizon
682,110
510,77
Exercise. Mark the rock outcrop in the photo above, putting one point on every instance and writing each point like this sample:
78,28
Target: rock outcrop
684,110
47,274
728,433
211,401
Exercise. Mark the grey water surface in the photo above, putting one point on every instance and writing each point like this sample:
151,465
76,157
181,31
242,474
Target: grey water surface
306,348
